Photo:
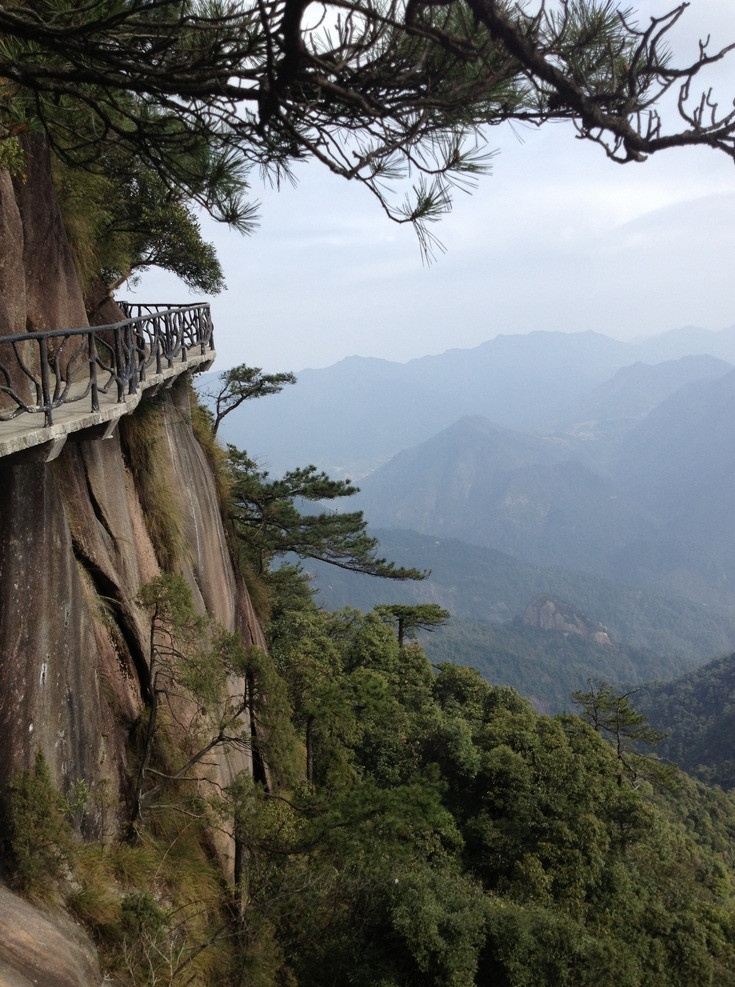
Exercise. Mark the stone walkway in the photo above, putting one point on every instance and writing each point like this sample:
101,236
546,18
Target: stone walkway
28,440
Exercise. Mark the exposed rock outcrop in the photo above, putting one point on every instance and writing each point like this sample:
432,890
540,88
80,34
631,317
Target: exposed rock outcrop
12,277
75,548
549,614
74,551
43,949
51,696
50,285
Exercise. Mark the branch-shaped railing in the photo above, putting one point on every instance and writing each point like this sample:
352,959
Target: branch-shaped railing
41,371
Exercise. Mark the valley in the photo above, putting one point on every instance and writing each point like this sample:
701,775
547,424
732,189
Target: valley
598,473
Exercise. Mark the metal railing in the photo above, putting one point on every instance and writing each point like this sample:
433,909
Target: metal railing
41,371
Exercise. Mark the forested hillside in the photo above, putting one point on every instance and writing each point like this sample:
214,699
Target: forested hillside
455,836
697,713
487,593
427,828
484,584
545,666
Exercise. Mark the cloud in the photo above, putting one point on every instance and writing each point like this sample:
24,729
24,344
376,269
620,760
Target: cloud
557,237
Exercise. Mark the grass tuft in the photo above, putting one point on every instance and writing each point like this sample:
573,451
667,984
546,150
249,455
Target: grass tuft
148,458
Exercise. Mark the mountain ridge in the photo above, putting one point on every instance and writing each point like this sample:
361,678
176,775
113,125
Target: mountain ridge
354,415
481,583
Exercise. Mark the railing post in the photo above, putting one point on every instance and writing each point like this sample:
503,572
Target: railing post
159,342
181,321
170,338
119,364
93,371
130,363
139,350
45,389
210,328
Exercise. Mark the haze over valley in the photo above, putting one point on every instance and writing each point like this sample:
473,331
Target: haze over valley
596,473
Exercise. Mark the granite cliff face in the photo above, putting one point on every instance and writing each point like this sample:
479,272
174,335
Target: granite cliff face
75,548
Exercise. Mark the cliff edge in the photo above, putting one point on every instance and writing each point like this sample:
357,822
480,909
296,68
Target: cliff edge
78,539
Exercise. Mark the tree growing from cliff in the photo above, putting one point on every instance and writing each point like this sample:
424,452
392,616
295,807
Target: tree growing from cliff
188,687
240,384
392,95
267,518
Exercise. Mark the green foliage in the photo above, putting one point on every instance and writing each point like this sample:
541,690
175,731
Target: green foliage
86,200
611,714
39,832
545,666
409,619
123,216
407,826
274,738
129,176
162,232
266,516
438,832
156,908
11,154
240,384
185,689
198,91
205,692
558,867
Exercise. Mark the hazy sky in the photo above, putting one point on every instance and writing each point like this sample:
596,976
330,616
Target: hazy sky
556,237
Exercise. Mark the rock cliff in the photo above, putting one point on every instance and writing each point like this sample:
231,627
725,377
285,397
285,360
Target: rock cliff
75,547
549,614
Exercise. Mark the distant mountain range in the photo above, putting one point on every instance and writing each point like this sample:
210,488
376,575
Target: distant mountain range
353,416
530,496
607,412
654,507
598,471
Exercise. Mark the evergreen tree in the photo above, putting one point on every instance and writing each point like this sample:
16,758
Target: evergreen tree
198,92
267,517
409,619
611,714
240,384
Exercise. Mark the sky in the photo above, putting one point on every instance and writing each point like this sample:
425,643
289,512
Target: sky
557,237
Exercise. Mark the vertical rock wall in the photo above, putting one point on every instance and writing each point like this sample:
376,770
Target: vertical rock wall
75,548
50,695
74,543
51,288
74,552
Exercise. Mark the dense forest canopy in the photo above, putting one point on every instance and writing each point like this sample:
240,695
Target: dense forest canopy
196,94
421,827
697,712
